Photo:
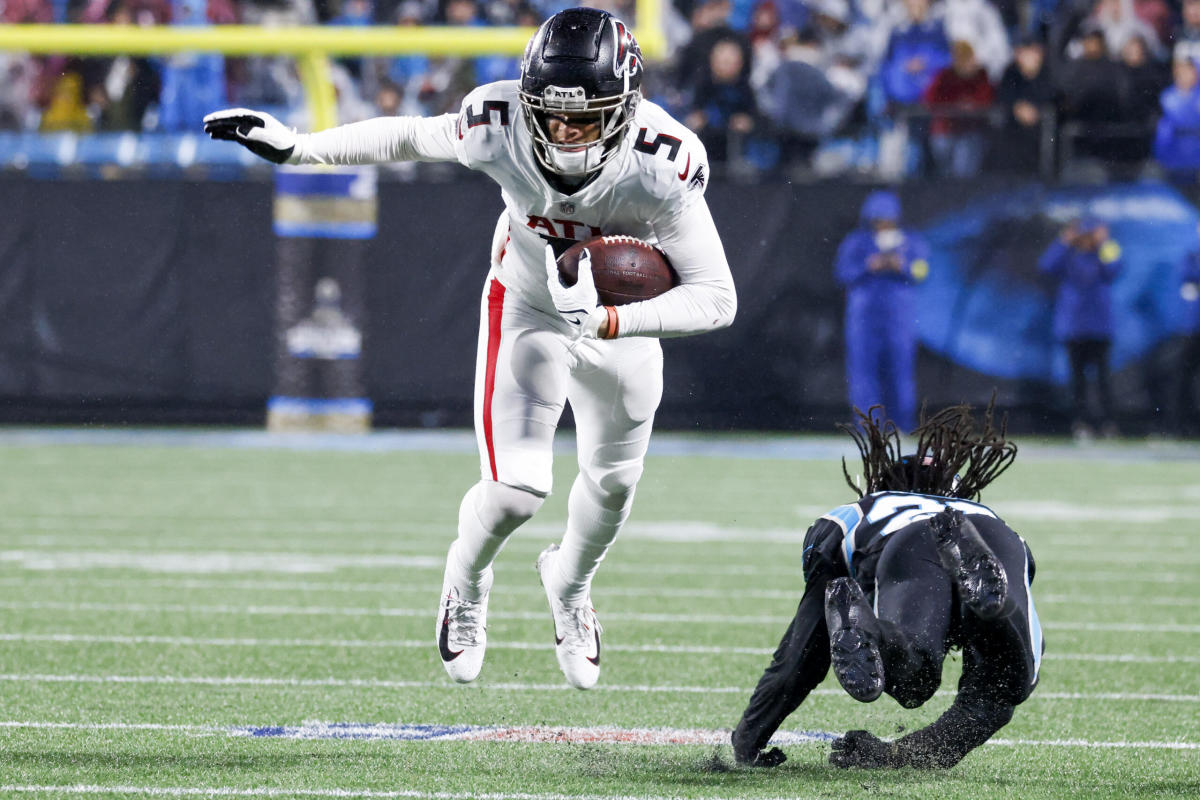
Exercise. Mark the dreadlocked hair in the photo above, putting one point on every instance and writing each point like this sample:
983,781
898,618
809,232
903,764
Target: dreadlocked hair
953,457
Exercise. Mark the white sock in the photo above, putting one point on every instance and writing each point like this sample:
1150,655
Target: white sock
591,529
489,512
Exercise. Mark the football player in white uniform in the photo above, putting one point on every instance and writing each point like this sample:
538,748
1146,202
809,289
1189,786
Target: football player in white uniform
577,154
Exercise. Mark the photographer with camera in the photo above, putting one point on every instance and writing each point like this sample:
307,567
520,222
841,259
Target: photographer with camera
1084,261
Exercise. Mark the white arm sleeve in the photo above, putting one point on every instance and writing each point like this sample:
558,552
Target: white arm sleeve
704,300
379,140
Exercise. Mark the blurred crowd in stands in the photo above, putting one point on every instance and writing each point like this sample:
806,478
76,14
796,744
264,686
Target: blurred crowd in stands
889,88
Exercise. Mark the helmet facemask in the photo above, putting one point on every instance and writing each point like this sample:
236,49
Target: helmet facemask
612,117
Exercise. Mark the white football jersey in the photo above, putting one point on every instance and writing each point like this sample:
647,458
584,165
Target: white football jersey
653,189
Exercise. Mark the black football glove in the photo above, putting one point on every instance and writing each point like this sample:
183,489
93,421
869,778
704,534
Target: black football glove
257,131
864,750
761,758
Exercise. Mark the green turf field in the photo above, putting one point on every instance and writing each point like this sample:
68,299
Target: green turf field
159,601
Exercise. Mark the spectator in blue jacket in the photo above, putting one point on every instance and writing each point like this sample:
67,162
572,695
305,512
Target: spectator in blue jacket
1188,408
878,264
916,52
1177,139
1084,261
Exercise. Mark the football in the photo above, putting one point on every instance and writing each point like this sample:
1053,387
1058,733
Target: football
624,269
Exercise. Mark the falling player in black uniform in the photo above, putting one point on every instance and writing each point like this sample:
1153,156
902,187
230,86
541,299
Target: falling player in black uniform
894,580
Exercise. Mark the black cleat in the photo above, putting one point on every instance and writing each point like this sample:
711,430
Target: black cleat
852,648
974,568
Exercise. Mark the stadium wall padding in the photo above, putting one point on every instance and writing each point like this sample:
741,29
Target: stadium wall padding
149,300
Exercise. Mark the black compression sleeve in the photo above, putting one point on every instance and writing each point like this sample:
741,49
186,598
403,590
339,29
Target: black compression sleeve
965,725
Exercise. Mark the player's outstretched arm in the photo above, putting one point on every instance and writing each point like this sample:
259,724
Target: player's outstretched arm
257,131
373,141
801,661
963,727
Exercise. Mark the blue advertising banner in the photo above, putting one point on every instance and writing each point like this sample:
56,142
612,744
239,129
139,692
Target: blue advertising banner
985,307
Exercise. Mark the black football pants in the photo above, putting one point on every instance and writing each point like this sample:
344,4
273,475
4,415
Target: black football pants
918,613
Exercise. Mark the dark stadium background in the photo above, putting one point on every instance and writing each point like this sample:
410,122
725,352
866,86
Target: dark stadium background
152,301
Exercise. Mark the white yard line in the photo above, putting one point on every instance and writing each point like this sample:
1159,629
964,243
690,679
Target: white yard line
87,579
530,734
1130,601
1126,627
395,644
202,561
1090,744
829,447
291,561
398,588
111,726
1069,575
381,611
149,532
411,644
80,548
348,611
1121,658
374,683
232,791
72,527
207,561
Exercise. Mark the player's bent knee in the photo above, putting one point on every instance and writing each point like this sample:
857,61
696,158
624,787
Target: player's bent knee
917,691
909,699
515,502
619,486
613,488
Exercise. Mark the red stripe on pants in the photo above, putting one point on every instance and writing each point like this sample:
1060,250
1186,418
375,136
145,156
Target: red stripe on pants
495,313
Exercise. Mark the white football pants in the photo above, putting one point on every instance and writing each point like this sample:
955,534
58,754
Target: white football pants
527,367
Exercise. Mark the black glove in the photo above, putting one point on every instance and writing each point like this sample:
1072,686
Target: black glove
761,758
864,750
257,131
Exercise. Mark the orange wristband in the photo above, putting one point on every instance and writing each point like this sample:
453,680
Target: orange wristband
613,323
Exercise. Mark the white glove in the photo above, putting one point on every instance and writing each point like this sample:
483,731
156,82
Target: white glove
578,305
257,131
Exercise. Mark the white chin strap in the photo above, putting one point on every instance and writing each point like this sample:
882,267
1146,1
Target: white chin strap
577,163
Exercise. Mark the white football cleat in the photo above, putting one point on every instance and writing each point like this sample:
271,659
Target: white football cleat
576,631
461,632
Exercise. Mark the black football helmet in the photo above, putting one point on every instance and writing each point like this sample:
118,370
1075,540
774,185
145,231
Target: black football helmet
582,64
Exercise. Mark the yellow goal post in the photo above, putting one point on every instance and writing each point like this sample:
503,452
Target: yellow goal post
310,45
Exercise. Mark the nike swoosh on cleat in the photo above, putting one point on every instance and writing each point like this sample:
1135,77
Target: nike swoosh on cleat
444,641
596,660
686,168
